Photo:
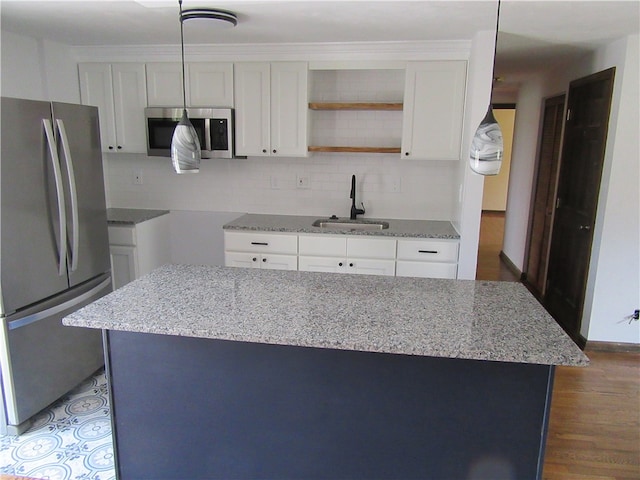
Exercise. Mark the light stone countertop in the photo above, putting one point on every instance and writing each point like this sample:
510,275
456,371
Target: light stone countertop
498,321
132,216
303,224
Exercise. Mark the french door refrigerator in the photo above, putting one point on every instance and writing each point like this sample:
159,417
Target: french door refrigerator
54,252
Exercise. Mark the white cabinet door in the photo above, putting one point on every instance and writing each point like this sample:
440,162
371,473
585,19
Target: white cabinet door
289,108
118,90
124,265
426,269
321,264
433,110
130,99
279,262
369,266
242,259
210,84
252,85
258,260
164,84
271,108
96,88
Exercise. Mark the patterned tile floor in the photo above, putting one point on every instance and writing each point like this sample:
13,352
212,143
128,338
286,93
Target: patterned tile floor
70,440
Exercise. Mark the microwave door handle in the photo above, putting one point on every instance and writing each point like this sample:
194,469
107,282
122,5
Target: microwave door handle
207,134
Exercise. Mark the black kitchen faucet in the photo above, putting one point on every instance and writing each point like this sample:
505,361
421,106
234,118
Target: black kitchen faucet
355,211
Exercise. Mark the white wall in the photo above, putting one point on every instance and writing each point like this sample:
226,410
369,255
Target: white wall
613,287
469,209
38,69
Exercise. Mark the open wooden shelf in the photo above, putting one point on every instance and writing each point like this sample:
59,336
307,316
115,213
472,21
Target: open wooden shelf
354,106
354,149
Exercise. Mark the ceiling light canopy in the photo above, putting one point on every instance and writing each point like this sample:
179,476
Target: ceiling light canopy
222,17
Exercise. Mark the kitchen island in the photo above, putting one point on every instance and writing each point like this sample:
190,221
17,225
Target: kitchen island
238,373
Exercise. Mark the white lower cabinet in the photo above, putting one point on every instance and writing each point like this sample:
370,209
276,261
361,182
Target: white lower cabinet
427,258
323,253
357,254
138,249
261,250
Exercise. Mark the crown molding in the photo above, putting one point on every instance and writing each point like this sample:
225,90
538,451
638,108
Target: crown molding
319,52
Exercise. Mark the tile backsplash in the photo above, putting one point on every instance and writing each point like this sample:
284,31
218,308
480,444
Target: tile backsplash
317,185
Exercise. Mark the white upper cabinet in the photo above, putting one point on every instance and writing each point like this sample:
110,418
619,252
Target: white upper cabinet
208,84
118,90
433,110
271,108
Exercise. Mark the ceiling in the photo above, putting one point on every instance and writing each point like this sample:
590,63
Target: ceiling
533,34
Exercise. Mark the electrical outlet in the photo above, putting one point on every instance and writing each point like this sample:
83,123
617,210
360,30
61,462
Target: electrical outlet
395,184
302,181
137,177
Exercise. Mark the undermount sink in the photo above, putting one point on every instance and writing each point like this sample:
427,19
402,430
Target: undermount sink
347,224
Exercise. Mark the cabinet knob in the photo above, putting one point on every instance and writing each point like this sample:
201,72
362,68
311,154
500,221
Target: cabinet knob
340,264
406,154
264,150
274,150
110,147
254,259
351,264
264,260
119,147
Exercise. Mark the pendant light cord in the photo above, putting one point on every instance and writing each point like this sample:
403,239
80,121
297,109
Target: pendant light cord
495,50
184,90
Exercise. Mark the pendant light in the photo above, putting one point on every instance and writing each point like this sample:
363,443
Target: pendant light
185,144
485,155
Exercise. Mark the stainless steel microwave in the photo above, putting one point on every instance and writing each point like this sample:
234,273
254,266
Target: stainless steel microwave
214,127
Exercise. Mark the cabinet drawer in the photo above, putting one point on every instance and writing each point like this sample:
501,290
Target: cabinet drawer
261,242
122,235
322,245
426,269
371,248
428,250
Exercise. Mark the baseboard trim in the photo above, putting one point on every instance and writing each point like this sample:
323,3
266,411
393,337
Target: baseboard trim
613,347
510,265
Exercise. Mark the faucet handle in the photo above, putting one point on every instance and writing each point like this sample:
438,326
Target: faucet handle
362,205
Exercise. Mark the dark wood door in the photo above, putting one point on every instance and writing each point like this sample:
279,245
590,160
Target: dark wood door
585,136
541,218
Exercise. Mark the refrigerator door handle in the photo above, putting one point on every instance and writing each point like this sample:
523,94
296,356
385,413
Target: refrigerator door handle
62,216
75,238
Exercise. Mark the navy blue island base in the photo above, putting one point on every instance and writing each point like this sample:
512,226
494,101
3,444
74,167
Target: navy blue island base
195,408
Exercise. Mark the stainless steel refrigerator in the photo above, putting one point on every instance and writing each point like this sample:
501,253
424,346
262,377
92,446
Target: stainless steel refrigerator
54,252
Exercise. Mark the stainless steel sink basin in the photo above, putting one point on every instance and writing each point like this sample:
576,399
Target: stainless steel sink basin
346,224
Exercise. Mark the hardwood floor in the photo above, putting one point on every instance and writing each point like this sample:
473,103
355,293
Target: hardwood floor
490,267
594,426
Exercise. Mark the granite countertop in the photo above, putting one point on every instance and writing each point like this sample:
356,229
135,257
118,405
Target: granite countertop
131,216
303,224
499,321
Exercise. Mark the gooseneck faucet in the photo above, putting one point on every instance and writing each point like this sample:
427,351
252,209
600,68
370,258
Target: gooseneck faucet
354,210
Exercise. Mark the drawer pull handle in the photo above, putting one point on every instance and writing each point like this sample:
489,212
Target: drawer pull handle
260,243
427,251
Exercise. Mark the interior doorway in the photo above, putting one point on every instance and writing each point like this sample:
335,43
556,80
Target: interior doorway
494,204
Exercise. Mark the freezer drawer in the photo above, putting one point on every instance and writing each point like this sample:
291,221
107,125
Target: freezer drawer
42,360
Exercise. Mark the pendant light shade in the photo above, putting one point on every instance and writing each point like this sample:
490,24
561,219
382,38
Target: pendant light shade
487,147
185,147
185,144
